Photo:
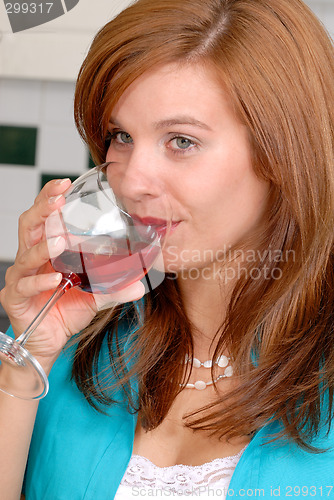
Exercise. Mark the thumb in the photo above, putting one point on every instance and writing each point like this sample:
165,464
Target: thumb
129,294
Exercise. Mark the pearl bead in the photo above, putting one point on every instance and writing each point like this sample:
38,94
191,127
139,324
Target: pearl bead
200,385
207,364
223,361
228,371
196,363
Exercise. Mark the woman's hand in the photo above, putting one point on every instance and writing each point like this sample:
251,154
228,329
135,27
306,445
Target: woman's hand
31,280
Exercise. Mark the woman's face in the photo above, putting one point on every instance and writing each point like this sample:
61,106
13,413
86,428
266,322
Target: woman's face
174,132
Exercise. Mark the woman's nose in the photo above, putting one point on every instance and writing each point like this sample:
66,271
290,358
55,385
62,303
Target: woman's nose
141,177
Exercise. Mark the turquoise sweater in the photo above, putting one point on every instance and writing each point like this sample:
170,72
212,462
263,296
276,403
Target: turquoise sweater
79,454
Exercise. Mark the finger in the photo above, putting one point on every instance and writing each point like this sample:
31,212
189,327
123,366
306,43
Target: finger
31,222
129,294
35,258
53,188
31,286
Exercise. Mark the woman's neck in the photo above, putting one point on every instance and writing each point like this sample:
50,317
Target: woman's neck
205,303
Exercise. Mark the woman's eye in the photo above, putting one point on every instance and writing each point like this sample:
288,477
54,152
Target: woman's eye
181,143
119,137
123,137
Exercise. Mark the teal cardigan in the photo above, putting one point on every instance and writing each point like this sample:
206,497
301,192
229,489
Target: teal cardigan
78,453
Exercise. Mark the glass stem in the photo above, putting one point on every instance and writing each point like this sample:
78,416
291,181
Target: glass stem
64,285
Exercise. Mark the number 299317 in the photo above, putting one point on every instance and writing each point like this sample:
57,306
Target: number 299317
28,8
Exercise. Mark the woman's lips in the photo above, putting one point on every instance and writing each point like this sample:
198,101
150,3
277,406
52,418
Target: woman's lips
160,226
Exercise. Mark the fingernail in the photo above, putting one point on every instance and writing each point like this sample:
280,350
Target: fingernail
53,242
54,199
56,278
62,181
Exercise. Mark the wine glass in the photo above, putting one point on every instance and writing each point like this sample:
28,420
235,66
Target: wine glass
107,249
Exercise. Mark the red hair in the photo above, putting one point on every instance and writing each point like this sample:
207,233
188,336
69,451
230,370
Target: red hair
276,62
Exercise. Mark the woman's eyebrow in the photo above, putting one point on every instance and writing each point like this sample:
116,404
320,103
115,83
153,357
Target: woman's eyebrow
169,122
112,121
180,120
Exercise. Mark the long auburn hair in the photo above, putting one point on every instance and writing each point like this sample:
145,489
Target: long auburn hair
276,61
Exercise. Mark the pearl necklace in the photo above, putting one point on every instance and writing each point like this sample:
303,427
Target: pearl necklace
200,385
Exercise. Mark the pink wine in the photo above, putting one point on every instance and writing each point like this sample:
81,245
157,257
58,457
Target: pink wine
107,272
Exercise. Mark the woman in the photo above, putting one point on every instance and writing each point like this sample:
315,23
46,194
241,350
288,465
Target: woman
226,106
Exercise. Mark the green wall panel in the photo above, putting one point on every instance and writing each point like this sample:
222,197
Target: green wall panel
18,145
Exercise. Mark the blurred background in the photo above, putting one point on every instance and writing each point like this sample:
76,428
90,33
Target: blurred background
38,139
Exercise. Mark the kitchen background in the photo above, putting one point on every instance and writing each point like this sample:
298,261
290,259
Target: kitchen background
38,139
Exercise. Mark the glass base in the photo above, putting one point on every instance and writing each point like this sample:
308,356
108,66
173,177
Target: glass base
21,375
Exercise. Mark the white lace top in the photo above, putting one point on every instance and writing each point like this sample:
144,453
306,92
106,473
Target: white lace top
143,478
